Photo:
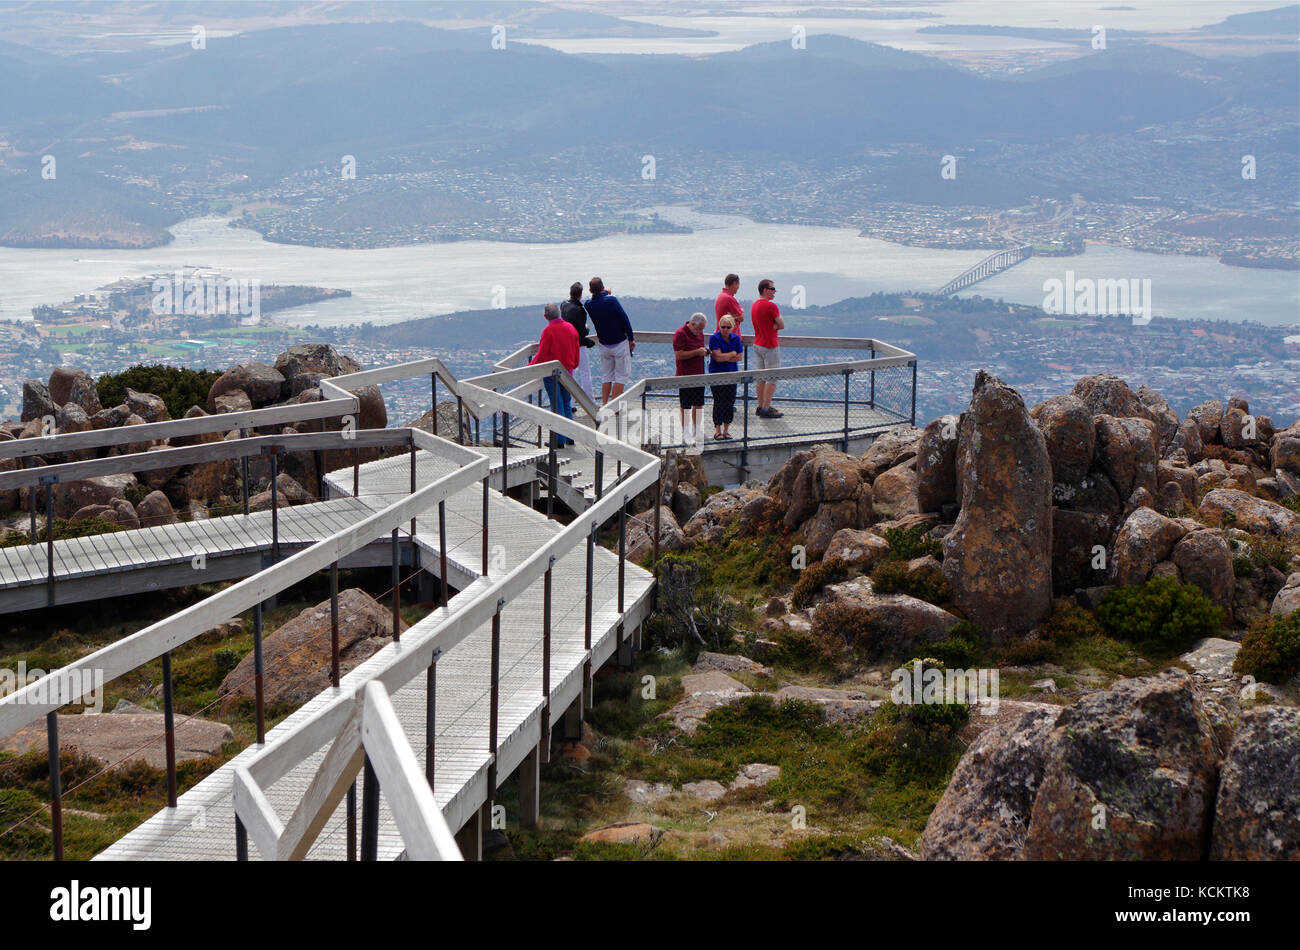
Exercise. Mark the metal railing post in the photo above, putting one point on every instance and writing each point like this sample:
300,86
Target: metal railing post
873,378
433,386
913,392
846,410
397,591
494,700
442,550
586,615
356,473
460,419
600,474
654,557
241,840
546,656
56,782
505,450
258,670
551,477
49,541
243,471
352,822
369,813
275,505
486,489
334,625
413,483
169,728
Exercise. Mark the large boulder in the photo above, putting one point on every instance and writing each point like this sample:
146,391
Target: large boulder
710,524
827,476
117,740
60,385
1144,540
1107,394
1159,412
261,383
998,555
1257,813
1188,441
71,497
1205,560
76,386
1250,514
985,811
891,448
37,403
1130,774
862,548
1066,424
147,406
1287,600
1127,451
155,509
641,534
1207,417
297,654
936,464
1286,449
304,364
899,624
894,493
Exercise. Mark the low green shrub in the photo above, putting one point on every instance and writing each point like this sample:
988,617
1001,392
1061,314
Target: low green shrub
1160,611
893,577
1270,650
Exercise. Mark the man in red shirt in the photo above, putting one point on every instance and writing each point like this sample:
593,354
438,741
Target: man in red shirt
726,304
559,342
766,316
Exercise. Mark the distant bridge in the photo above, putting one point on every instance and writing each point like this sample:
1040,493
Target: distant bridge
993,264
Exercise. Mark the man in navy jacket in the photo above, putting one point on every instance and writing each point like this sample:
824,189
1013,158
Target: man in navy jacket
615,341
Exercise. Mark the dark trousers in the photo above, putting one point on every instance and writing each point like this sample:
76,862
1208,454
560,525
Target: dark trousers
724,404
561,404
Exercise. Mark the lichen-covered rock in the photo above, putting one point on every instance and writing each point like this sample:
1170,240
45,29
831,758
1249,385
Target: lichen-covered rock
147,406
37,403
998,555
1187,440
70,497
1287,600
1207,417
899,624
1254,515
889,449
710,523
1144,540
297,654
860,547
1286,449
827,476
261,383
894,492
1066,424
1127,451
304,364
236,400
640,534
1107,394
1159,412
1257,813
936,464
1130,774
1204,559
985,811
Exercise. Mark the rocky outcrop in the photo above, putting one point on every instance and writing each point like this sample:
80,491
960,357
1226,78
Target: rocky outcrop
37,403
899,624
116,740
998,555
710,523
1204,560
641,531
1257,812
1144,540
303,365
262,384
1125,773
859,547
1287,600
1127,450
1286,449
1231,507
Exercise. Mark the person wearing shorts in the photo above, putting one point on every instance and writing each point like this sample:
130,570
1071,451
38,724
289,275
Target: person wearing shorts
614,339
765,315
690,350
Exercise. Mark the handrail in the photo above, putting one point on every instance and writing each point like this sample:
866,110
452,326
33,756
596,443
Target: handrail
153,459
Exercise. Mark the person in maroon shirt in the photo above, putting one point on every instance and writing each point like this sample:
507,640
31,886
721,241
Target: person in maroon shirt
726,304
559,342
690,350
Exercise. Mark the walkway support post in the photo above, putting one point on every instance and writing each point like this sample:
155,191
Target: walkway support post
56,783
495,704
654,557
586,622
169,728
275,503
545,743
397,591
47,480
369,813
486,489
243,471
334,624
433,400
